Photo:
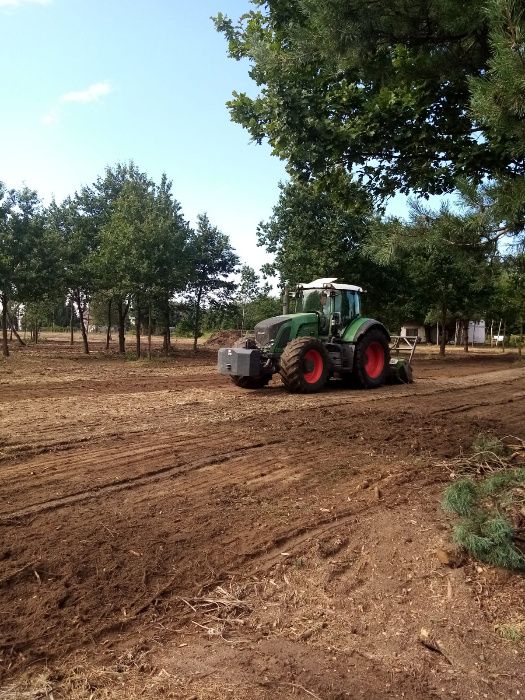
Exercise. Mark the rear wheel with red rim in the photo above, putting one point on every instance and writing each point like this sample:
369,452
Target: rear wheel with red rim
372,358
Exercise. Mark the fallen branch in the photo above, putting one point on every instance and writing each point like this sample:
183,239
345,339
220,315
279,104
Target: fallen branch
433,644
14,574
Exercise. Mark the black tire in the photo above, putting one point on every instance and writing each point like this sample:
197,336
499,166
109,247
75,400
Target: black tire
249,382
305,365
372,360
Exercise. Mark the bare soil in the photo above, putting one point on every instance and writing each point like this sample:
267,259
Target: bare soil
164,533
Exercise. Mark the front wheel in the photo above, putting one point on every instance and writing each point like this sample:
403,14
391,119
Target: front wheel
305,365
372,358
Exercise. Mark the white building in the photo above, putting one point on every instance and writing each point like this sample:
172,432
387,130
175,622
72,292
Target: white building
476,332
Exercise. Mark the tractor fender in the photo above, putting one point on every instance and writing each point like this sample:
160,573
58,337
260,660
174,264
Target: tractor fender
359,326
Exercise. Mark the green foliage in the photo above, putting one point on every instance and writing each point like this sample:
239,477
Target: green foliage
312,235
484,443
263,307
381,89
29,250
498,95
501,480
212,262
516,341
485,531
143,243
461,497
449,256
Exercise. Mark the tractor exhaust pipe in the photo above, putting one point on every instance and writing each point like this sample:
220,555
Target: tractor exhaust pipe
286,298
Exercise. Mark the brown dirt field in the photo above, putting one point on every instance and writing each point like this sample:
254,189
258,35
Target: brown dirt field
165,534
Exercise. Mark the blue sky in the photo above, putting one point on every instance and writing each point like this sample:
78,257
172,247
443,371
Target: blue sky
88,83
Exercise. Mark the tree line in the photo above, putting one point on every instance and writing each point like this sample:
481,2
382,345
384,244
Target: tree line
118,246
363,100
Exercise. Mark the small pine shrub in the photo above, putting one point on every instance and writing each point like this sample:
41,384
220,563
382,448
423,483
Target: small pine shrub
484,531
494,484
460,497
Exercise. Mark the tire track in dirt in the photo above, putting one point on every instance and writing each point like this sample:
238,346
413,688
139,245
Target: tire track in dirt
273,400
105,457
236,509
83,387
131,483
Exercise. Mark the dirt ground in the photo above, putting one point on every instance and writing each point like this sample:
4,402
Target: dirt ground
164,534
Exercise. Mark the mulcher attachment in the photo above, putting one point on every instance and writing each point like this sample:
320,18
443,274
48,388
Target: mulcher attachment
401,367
400,372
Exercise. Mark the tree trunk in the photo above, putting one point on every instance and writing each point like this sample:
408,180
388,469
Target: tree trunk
503,336
5,344
13,330
108,331
443,339
521,338
149,331
82,325
72,310
167,337
197,320
121,327
465,334
137,326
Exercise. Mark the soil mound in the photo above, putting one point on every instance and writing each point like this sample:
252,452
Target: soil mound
223,339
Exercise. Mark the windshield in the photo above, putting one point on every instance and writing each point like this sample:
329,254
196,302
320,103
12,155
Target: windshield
309,301
346,302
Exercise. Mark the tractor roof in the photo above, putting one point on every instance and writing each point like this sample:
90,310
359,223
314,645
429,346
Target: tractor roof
328,283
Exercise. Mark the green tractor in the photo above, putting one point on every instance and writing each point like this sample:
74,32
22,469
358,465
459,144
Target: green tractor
326,337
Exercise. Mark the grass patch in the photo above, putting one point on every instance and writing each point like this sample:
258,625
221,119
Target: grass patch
510,632
484,443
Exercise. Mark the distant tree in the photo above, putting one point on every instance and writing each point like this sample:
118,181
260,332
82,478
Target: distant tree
96,203
508,297
249,289
311,234
29,256
79,242
448,260
262,307
143,248
212,263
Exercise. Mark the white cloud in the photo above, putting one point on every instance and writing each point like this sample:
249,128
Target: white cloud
90,94
17,3
51,117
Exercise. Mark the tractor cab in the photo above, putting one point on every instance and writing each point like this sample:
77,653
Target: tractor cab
337,305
